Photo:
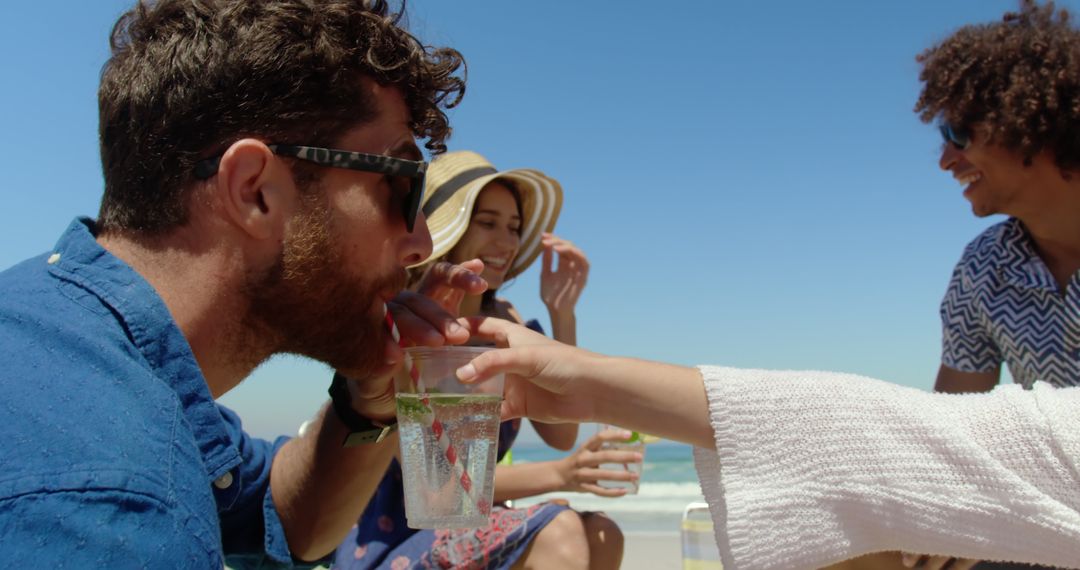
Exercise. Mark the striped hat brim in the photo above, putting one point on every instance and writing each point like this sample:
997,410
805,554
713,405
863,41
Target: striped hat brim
454,181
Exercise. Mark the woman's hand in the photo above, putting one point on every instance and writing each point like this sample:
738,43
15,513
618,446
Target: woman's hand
560,288
447,284
581,472
541,374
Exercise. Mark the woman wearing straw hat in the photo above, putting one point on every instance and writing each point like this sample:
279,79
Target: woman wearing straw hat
505,220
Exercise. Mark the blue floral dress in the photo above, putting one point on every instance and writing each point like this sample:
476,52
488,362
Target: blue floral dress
381,539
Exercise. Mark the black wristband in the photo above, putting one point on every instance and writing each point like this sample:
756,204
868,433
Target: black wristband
361,430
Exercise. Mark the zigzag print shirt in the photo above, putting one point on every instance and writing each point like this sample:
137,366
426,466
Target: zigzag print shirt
1004,305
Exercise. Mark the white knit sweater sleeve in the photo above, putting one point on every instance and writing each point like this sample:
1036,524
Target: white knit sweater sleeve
812,468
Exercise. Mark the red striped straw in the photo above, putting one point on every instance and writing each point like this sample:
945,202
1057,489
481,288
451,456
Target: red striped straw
436,426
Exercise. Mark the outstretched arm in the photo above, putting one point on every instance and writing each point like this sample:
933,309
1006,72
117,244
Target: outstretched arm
552,382
952,381
870,466
805,469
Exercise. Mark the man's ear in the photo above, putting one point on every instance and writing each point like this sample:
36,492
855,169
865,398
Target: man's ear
255,191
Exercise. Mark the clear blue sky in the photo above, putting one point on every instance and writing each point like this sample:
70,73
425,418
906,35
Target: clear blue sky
747,178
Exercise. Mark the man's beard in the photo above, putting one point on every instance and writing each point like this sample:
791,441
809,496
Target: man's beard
309,303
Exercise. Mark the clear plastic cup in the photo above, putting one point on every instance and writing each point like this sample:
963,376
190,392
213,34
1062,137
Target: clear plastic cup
635,443
448,476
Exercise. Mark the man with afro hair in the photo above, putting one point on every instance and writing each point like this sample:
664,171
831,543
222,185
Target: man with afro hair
1006,97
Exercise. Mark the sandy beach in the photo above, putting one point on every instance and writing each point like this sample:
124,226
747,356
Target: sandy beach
652,551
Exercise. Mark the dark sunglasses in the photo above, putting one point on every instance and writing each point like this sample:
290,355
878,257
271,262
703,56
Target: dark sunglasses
959,137
399,168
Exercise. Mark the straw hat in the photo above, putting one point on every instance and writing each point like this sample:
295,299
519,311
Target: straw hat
455,179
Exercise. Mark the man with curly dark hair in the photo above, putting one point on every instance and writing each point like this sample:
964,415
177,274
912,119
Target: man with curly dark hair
1007,96
262,188
1007,99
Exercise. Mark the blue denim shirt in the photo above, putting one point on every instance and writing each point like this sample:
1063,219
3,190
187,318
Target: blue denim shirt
113,453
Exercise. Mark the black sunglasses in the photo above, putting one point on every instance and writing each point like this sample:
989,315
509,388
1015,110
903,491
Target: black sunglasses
959,137
413,170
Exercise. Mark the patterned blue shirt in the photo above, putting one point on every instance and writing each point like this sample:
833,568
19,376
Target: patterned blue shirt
113,453
1003,304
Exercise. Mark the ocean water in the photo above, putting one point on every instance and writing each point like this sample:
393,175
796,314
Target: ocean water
669,483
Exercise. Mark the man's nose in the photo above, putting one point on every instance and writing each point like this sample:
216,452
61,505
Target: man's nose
949,155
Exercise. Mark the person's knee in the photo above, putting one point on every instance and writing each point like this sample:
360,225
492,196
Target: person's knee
602,532
564,538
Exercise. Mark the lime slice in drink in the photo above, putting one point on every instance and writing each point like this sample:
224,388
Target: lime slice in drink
646,438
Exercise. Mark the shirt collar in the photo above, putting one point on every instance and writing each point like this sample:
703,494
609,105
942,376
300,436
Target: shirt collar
1019,263
79,258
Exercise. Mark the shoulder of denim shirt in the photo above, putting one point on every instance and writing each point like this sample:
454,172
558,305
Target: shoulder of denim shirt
95,446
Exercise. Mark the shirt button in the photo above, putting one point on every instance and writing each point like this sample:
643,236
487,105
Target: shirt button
224,481
54,258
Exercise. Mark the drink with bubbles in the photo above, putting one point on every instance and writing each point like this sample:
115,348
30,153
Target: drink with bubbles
434,497
449,439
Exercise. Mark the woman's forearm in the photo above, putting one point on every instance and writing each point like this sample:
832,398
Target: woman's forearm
564,330
651,397
526,480
551,381
563,326
558,436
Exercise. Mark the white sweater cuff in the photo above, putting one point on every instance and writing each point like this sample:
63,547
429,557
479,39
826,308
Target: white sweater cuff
812,468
